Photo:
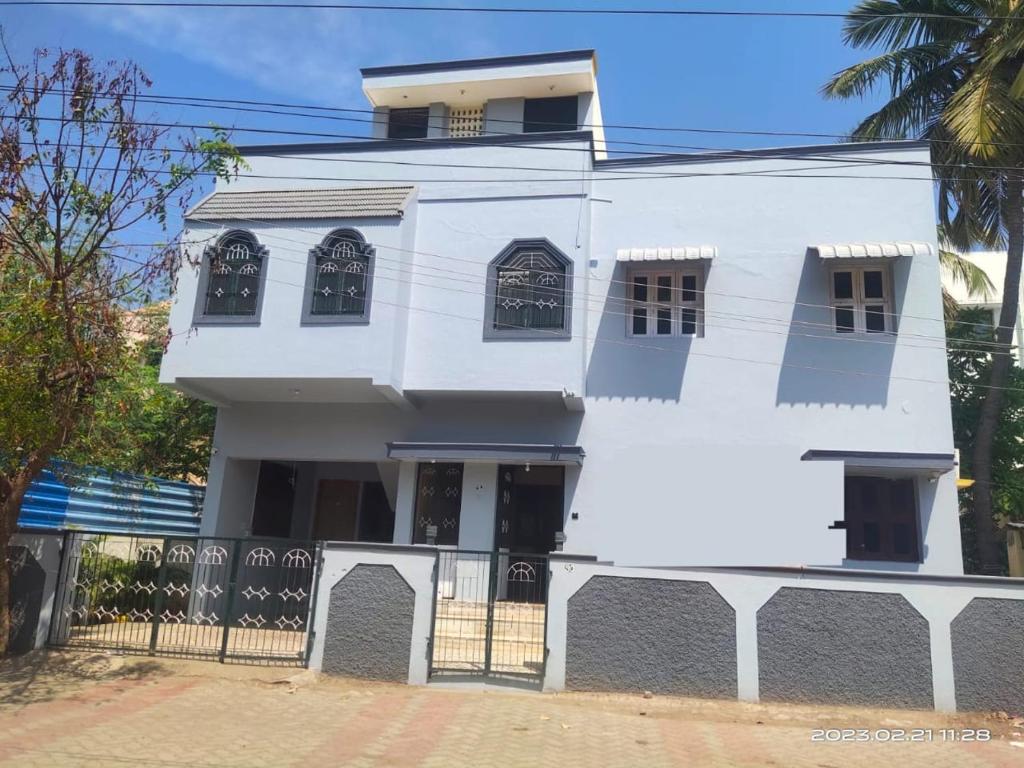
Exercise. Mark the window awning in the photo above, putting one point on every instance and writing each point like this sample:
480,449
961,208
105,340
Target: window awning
870,250
668,253
500,452
909,463
349,203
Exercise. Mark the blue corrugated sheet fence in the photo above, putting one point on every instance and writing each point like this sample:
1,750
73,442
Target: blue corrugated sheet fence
67,497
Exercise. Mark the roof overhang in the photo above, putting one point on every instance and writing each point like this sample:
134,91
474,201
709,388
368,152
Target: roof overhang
870,250
511,453
304,204
667,253
474,81
890,463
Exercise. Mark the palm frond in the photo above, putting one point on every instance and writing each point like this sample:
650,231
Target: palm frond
982,114
916,106
898,23
968,274
898,67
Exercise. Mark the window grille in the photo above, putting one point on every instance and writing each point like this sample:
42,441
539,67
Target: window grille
466,121
341,275
235,264
530,292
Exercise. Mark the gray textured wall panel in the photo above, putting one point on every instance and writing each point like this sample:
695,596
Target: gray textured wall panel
369,625
988,655
28,580
676,637
833,647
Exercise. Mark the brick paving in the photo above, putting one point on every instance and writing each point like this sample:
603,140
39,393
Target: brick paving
80,709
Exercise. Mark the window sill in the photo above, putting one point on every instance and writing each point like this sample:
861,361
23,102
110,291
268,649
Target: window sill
493,334
315,320
225,320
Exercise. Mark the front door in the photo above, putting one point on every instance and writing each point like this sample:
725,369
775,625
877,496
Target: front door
529,514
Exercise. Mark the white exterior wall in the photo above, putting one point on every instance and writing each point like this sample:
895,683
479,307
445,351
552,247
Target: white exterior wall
693,445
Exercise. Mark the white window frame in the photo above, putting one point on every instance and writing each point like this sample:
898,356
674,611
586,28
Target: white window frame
860,302
675,305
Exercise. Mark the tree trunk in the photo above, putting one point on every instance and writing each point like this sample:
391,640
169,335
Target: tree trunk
990,543
10,508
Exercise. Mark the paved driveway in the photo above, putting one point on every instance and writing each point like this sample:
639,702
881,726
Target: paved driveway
97,710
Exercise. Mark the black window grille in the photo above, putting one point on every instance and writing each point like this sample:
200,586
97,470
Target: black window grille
438,502
530,292
235,267
342,271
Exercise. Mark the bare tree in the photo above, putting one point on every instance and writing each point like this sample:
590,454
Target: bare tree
80,170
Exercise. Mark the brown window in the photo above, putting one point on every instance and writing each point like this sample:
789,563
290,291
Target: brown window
881,519
438,502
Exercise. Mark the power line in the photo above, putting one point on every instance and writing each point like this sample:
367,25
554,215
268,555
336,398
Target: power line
509,10
224,102
634,345
403,268
480,288
712,154
439,256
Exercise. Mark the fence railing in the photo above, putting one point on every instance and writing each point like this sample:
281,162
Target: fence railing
223,598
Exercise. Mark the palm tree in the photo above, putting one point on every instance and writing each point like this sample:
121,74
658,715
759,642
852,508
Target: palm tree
954,71
972,277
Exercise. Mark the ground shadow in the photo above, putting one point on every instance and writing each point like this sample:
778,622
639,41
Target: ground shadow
42,676
820,367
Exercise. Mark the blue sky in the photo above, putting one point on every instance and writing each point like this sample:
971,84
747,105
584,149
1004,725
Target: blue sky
742,74
749,73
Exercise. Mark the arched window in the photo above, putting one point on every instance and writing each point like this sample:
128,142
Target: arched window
529,290
234,271
338,287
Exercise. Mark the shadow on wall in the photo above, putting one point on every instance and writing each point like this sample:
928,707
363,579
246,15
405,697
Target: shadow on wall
621,366
820,367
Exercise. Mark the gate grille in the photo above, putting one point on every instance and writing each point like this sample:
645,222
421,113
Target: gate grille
490,613
218,598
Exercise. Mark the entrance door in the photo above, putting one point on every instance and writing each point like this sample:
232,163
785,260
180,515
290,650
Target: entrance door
337,505
275,495
529,514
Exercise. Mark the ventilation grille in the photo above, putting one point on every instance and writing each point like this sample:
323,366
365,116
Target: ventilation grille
466,121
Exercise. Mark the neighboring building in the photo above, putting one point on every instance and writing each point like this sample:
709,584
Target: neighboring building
993,263
499,331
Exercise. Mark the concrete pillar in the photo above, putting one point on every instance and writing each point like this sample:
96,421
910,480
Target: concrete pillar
504,116
437,120
479,500
379,129
230,494
405,503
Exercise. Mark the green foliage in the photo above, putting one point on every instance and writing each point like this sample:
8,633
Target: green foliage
97,570
953,74
968,333
139,425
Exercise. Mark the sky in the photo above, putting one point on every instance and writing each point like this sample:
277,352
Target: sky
722,73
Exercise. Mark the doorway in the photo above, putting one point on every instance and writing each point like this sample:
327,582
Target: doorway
531,501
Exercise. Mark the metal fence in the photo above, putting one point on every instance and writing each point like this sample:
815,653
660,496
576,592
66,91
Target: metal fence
220,598
490,615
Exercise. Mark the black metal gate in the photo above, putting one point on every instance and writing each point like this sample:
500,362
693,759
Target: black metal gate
490,615
216,598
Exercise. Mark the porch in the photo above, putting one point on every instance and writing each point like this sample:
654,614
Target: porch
474,497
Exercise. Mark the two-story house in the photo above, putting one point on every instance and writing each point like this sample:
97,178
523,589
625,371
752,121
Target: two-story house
485,319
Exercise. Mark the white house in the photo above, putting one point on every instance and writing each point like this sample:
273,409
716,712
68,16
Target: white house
482,320
993,263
